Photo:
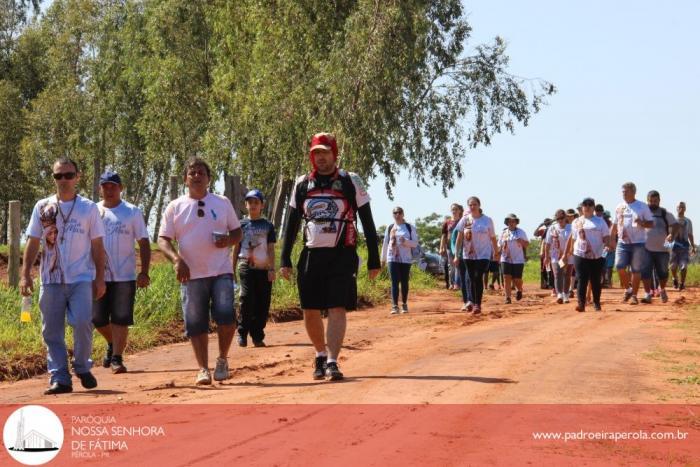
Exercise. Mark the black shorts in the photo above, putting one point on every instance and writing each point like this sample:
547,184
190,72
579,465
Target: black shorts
116,306
494,267
513,270
326,277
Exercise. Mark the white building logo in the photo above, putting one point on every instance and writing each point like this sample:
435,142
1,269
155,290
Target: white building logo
33,435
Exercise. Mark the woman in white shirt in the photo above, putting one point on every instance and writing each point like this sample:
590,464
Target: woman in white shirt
513,244
555,244
589,237
399,241
477,242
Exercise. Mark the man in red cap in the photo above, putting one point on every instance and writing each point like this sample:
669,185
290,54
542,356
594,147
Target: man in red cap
329,201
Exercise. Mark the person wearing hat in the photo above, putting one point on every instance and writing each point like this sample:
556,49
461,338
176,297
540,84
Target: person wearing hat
205,227
255,258
71,225
588,245
329,200
124,227
513,243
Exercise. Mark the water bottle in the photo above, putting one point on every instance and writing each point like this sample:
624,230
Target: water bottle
25,314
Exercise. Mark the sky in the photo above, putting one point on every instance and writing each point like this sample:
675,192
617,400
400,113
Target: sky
627,75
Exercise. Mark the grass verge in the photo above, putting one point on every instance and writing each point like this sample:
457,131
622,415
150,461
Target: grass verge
157,315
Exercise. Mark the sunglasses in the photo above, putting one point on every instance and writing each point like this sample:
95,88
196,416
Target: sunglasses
561,218
200,211
66,175
398,212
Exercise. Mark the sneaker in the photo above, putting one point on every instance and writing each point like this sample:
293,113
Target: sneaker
87,380
580,308
477,309
107,360
333,372
646,300
681,286
404,308
633,300
117,365
554,293
571,294
628,296
465,307
597,307
259,344
566,298
320,367
242,341
58,388
203,377
560,299
664,296
675,284
508,301
221,372
394,310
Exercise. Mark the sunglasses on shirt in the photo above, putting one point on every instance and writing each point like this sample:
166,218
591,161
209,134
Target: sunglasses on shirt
66,175
200,211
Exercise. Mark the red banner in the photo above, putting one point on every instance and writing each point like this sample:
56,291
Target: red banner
184,435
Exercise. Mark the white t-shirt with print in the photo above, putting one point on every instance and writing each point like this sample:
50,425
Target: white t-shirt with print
511,250
625,216
483,231
406,239
588,237
322,210
66,248
194,233
124,226
557,239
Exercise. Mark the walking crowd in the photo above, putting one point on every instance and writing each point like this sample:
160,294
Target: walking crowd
579,250
89,275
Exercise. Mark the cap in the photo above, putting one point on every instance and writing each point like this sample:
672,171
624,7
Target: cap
110,177
255,194
324,141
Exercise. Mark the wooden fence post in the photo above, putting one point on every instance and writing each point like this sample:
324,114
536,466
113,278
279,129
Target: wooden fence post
13,237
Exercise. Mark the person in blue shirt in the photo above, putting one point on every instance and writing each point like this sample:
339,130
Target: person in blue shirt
255,258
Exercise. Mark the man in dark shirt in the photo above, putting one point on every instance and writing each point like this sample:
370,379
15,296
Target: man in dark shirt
328,200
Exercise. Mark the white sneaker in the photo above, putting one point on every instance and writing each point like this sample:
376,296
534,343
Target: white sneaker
465,306
203,377
404,308
221,371
394,310
566,298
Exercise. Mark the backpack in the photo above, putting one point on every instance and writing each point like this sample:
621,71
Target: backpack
663,216
348,190
416,251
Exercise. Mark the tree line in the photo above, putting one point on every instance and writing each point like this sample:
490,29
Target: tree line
142,85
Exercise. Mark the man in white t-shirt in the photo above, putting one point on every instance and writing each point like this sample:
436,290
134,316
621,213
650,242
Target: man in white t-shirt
124,227
632,218
205,227
68,229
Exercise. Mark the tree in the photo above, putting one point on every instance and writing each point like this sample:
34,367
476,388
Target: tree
392,79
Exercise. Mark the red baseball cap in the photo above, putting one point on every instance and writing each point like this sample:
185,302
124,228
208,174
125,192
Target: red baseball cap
324,141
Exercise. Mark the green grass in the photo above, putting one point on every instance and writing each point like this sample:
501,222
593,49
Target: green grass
157,315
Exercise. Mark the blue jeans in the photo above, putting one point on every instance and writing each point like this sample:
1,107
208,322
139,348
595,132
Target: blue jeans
200,297
465,282
634,255
400,274
57,303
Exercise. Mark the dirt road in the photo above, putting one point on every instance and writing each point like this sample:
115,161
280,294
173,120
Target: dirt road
530,352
